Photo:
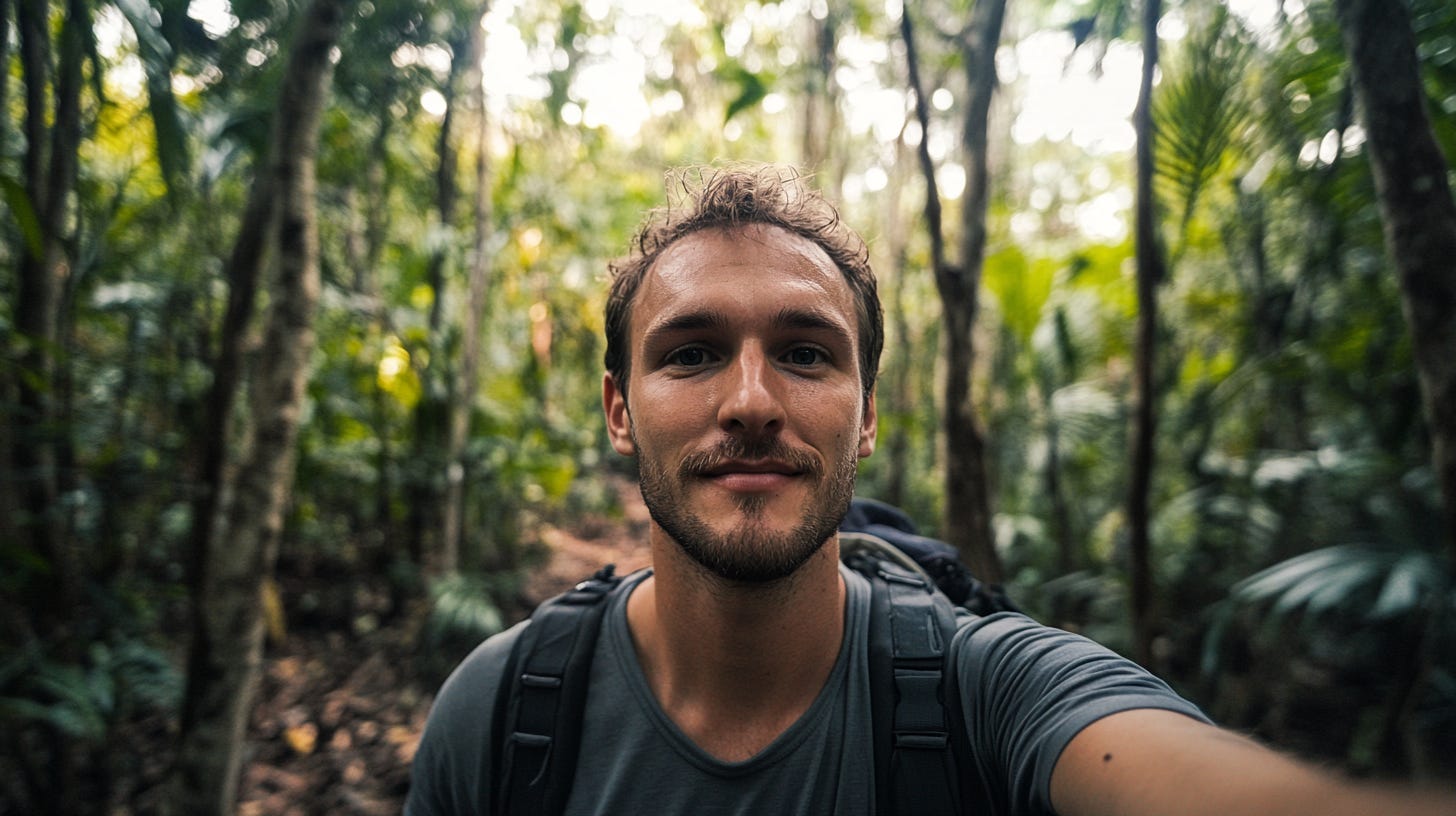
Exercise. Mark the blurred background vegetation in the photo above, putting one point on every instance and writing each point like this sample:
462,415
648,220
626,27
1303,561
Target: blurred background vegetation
478,166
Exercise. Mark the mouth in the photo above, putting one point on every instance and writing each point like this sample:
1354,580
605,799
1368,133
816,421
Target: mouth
764,467
751,469
749,476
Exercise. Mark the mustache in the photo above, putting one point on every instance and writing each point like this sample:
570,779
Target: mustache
731,449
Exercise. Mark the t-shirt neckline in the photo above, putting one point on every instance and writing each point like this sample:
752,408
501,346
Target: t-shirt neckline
624,660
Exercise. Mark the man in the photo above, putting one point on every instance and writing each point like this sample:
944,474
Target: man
743,337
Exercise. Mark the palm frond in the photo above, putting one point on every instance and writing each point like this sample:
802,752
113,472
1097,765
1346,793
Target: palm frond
1200,111
1367,582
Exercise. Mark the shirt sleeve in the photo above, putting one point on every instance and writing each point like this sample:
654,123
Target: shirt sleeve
449,776
1028,689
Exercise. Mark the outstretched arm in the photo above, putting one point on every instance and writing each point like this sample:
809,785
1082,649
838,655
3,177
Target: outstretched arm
1151,763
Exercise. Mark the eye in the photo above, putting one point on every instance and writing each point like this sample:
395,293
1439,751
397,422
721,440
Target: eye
804,356
690,357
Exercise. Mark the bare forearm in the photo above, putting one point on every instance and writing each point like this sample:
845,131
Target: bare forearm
1155,762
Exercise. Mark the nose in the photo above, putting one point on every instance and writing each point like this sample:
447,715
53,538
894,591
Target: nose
751,405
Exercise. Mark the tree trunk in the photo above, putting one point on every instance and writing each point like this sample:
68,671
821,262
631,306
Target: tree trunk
967,488
968,497
53,138
821,108
382,529
31,455
52,142
1417,210
1150,272
215,436
5,75
433,467
226,651
899,400
452,518
1069,555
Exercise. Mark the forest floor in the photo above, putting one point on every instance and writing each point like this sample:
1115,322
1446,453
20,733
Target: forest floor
339,716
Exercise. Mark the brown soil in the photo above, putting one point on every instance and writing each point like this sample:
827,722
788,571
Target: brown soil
339,716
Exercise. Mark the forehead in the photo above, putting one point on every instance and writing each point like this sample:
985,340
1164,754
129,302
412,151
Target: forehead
752,269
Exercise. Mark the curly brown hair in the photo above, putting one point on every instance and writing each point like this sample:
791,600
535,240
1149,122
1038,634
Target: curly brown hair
735,196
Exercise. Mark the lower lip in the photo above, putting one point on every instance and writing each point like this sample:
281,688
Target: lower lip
752,482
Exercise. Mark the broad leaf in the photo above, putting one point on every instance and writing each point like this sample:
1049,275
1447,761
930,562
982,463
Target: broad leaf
20,207
156,57
752,90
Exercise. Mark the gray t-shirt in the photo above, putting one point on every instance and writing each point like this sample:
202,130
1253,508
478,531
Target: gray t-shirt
1027,690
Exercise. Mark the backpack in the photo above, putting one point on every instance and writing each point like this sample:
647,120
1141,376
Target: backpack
919,589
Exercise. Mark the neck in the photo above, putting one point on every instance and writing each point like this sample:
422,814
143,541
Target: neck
735,664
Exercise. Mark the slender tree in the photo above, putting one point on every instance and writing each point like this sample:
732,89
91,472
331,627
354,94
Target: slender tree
477,285
5,6
1150,273
431,464
967,488
227,632
821,103
1416,209
442,414
895,393
52,130
9,506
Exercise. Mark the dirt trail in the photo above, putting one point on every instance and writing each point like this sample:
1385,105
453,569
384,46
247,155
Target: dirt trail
578,552
339,716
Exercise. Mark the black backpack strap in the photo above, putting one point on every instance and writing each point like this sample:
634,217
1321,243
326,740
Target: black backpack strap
539,711
911,628
977,797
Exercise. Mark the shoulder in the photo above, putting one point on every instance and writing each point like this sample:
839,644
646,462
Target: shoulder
446,775
1027,689
1007,636
1013,653
471,686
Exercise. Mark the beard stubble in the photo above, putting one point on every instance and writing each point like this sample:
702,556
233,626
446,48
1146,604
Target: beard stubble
750,552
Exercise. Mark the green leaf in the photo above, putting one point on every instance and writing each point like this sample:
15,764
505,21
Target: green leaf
1021,286
156,57
1341,588
1200,112
20,709
463,609
1283,576
20,207
149,39
752,90
63,697
1406,586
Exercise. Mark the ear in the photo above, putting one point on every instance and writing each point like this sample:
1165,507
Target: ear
869,428
619,419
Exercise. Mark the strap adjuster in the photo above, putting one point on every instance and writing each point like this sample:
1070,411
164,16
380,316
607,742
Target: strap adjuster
933,742
545,681
531,740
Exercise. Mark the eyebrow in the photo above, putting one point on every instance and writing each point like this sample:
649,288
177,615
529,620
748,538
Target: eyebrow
813,319
687,321
789,317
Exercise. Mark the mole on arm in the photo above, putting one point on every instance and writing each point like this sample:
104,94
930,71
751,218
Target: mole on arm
1107,757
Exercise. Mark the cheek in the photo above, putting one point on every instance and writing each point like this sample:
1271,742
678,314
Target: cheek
675,405
664,417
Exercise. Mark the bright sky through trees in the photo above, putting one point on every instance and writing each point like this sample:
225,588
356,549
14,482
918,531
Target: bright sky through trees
1057,101
609,88
1058,96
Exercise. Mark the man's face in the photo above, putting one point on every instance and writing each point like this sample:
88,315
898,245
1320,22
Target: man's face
744,405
